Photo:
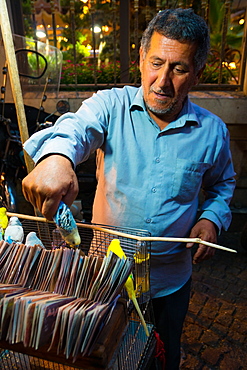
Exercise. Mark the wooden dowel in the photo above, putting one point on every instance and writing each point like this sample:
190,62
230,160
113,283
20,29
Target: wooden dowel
130,236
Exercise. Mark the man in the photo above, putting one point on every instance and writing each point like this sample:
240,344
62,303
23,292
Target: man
155,151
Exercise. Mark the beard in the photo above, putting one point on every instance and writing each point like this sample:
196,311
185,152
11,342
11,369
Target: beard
165,110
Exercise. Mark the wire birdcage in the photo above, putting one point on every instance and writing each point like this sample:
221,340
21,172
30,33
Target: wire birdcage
134,350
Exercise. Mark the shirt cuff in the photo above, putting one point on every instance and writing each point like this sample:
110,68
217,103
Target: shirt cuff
50,154
211,216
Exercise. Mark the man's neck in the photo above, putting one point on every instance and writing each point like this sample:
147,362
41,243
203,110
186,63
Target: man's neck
164,120
159,120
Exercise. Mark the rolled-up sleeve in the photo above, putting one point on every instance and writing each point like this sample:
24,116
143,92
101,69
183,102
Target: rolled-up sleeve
74,135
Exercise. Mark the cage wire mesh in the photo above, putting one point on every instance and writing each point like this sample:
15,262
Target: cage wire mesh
135,349
18,361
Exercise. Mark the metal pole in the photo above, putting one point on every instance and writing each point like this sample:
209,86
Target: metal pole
243,70
124,39
92,9
72,17
136,28
223,39
114,23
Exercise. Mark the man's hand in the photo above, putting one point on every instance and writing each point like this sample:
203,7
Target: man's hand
205,230
51,181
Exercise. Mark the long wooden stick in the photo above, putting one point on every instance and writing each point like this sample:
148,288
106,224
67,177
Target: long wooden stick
130,236
14,78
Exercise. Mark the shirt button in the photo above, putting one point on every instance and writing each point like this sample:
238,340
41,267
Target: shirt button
153,190
157,160
148,220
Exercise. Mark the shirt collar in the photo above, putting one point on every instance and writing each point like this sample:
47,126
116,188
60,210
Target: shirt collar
138,100
186,116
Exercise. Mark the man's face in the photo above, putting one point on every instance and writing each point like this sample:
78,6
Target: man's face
168,74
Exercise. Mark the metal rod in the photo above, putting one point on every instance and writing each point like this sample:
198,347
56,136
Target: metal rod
72,17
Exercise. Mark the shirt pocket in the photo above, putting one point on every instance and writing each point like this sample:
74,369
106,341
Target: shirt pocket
187,180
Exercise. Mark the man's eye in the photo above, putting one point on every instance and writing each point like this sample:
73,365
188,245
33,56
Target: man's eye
179,70
156,65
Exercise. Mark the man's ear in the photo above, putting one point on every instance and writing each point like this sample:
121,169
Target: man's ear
141,54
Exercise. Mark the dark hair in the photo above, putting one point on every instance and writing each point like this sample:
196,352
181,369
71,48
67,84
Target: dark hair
182,25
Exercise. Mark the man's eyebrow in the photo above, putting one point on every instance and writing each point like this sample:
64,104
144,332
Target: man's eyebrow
176,63
154,57
179,63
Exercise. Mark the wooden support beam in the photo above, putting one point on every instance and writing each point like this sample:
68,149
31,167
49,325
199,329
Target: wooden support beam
14,77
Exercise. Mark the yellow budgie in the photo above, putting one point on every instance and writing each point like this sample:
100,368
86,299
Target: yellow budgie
115,247
3,219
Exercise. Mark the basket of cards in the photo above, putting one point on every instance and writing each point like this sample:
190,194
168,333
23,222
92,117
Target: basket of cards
86,307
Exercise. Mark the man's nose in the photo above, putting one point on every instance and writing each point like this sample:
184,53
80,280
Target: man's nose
164,77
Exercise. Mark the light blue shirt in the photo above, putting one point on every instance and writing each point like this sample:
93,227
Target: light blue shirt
147,178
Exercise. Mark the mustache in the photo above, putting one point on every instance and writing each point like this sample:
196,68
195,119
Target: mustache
161,91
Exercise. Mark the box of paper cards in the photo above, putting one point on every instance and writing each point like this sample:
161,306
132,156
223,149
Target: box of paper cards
71,306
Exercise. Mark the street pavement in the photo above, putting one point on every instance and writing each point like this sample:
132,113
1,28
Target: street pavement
215,330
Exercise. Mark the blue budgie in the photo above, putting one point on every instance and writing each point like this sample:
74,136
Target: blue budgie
14,231
32,240
66,225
